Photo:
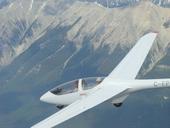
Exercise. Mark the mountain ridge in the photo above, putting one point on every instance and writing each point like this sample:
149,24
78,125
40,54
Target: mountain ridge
109,23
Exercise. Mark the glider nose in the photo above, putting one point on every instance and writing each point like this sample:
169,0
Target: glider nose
46,97
43,98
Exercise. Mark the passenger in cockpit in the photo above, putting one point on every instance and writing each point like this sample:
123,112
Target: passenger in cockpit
84,82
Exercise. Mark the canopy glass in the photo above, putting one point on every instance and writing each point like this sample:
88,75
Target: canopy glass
72,86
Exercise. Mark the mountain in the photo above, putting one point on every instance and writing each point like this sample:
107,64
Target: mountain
44,43
126,3
78,26
34,18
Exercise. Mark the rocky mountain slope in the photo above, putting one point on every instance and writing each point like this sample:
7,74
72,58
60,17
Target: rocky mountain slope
126,3
82,24
47,42
29,20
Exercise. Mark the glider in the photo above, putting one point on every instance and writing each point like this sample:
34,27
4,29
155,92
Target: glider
78,96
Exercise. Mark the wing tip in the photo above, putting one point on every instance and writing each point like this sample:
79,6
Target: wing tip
156,33
152,34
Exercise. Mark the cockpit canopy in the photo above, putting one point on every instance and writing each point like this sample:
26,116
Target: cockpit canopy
73,86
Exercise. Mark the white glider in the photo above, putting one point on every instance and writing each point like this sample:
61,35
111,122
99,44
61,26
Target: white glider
77,96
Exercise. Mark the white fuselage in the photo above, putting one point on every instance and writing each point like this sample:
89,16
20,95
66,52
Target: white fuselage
64,99
132,85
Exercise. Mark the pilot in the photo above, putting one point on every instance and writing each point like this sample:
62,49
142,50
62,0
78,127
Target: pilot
57,91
